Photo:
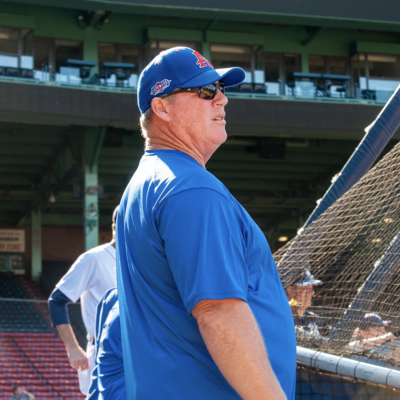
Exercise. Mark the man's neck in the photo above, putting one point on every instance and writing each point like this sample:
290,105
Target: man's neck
154,144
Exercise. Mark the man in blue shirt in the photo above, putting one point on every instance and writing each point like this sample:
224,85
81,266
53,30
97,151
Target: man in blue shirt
107,380
203,311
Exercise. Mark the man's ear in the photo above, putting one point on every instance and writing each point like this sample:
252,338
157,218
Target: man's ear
160,108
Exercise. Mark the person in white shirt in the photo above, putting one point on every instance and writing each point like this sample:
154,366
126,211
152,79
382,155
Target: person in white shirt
88,279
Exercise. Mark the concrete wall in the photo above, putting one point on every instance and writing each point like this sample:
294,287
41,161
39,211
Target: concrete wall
60,244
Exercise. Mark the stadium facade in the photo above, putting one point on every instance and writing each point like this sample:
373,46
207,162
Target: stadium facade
318,73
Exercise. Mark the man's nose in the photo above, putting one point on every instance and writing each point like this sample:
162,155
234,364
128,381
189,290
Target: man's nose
220,99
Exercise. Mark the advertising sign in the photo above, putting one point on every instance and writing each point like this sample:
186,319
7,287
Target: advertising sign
12,241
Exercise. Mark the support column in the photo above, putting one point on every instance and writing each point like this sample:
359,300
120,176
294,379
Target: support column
205,52
93,139
90,48
36,245
304,63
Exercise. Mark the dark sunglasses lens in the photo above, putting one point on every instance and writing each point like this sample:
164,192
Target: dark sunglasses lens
208,92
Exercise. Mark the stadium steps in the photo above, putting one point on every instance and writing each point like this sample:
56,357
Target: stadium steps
36,361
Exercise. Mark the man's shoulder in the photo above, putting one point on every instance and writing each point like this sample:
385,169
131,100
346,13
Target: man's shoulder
177,172
98,253
93,257
98,249
110,297
106,304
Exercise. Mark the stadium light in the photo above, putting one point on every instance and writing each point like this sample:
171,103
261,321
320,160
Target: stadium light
388,220
52,198
283,239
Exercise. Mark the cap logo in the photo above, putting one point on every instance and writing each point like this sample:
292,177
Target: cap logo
160,87
201,61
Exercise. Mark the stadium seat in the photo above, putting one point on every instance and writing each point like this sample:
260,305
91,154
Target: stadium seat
59,388
47,395
13,375
8,370
74,398
5,363
38,387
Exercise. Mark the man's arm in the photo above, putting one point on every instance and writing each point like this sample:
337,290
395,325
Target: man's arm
77,357
58,303
232,337
28,394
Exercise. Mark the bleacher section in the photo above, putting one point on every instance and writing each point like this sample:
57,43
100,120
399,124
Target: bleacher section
21,317
38,362
17,313
31,354
9,287
52,272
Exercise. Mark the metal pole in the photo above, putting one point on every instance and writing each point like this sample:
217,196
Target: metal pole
347,367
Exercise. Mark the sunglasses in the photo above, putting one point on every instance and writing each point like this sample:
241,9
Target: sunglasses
207,92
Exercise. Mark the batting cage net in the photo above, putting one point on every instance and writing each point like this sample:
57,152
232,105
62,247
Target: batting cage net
350,257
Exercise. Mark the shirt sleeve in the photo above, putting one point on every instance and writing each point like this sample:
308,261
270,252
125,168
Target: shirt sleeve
205,246
58,305
78,279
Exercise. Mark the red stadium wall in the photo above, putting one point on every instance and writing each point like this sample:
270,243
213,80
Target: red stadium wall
59,244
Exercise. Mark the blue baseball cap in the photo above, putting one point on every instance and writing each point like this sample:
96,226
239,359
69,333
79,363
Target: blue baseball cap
181,67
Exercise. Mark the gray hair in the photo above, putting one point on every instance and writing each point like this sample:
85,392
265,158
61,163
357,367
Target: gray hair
145,121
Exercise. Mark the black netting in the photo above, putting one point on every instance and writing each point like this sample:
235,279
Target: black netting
354,249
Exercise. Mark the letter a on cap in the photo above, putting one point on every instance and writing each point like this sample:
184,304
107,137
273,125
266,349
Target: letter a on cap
201,61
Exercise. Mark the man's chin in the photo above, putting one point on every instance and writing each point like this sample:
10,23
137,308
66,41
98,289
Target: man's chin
221,137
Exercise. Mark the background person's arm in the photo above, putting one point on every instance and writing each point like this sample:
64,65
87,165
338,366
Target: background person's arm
232,337
77,357
28,394
58,305
373,342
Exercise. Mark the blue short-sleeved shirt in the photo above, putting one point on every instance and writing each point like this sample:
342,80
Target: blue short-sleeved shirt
183,238
108,380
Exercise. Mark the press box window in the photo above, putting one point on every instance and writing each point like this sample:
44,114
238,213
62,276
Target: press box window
9,40
16,47
65,49
155,46
226,56
51,54
119,53
277,67
376,76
